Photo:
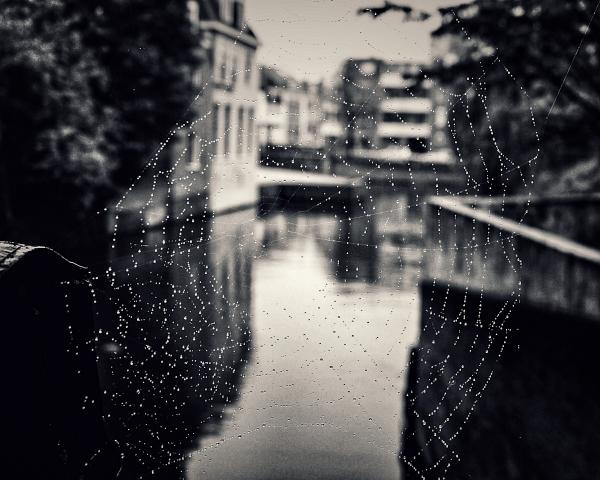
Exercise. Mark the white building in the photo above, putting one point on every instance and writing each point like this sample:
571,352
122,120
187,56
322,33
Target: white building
331,128
388,114
222,149
289,112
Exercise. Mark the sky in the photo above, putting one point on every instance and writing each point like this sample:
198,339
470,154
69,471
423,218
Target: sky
309,39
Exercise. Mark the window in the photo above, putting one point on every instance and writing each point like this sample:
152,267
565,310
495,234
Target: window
248,73
392,117
223,69
226,11
418,145
391,141
216,133
197,78
216,73
234,73
294,123
396,92
397,117
204,158
417,90
250,129
238,15
417,117
240,125
227,131
192,159
270,129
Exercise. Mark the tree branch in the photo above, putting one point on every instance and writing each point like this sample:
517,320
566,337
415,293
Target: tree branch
410,14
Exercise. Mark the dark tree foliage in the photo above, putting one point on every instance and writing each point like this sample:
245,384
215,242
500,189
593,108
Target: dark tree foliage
409,12
148,50
52,165
88,91
503,57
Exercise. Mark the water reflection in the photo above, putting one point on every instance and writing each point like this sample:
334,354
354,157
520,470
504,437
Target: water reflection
269,348
330,335
358,246
181,330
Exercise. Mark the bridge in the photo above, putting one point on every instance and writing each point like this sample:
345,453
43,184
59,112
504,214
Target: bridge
300,190
280,176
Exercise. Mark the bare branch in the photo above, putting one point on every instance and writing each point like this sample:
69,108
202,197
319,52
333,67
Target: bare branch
410,14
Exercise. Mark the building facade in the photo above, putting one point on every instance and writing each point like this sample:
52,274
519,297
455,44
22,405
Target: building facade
289,111
219,149
331,128
387,113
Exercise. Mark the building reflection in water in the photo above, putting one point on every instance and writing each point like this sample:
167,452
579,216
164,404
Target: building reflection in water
177,328
354,244
331,331
179,331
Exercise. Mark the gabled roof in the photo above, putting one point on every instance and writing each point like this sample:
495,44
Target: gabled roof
271,77
210,10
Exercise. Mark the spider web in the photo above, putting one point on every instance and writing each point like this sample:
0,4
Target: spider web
177,330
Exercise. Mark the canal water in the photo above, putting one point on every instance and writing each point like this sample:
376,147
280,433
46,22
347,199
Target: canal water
244,348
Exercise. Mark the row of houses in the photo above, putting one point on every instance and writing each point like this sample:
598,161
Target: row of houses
375,111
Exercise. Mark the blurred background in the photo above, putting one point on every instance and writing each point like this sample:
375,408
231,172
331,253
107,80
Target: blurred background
343,239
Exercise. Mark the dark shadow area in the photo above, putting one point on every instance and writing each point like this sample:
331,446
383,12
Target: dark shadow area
501,390
177,338
52,398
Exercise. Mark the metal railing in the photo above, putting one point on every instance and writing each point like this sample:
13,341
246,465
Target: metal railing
470,245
